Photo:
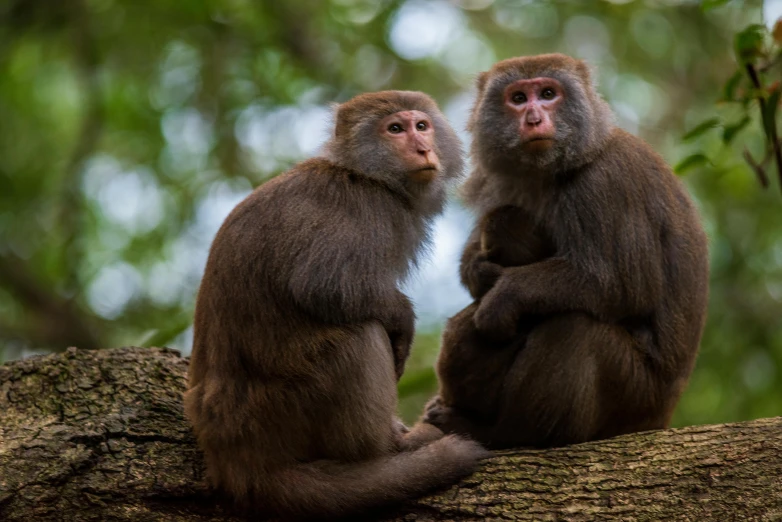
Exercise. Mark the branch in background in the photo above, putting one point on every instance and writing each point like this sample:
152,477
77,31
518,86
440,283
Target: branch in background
769,119
760,172
299,38
210,99
72,205
53,320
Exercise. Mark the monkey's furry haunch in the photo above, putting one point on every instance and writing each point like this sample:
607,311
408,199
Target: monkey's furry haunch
589,269
301,331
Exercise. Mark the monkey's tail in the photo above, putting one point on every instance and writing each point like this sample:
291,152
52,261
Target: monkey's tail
331,490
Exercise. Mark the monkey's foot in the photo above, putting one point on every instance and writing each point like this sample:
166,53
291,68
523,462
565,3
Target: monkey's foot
434,403
450,420
438,414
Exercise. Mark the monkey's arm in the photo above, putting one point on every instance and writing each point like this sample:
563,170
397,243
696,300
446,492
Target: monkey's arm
400,325
560,285
478,274
609,264
336,283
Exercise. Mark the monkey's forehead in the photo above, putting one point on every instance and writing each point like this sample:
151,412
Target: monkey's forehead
369,108
557,66
383,103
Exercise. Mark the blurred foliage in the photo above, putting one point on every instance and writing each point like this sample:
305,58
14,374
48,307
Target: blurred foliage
128,129
758,57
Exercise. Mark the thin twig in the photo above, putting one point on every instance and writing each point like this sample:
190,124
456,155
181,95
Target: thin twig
759,170
753,75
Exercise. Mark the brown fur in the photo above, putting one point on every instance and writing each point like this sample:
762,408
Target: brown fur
509,237
599,337
301,330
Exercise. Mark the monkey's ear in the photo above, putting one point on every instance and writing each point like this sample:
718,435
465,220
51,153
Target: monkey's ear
340,116
480,83
587,72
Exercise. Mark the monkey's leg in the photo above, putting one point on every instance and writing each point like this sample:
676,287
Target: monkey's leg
470,369
578,379
363,408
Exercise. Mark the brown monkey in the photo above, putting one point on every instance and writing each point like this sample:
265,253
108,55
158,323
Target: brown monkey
599,337
509,237
301,331
505,236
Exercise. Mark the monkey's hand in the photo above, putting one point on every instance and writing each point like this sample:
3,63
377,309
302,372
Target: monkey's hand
479,275
400,326
498,315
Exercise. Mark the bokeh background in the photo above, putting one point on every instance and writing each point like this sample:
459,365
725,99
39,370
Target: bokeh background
130,128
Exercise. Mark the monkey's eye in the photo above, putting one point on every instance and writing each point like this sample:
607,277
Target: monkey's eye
421,125
518,98
395,128
548,94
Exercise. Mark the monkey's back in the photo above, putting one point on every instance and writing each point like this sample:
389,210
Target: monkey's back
259,357
655,233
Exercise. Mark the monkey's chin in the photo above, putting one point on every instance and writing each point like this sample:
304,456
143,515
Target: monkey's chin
538,146
424,175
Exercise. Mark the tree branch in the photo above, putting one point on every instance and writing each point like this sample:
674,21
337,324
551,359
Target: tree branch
100,435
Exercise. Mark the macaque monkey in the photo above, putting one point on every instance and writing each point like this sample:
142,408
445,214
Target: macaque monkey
301,330
597,335
509,237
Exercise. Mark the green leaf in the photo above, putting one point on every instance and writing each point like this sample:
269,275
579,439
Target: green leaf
707,5
690,162
729,90
749,43
731,130
701,128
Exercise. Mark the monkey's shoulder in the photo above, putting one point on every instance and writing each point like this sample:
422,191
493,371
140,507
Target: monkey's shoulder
629,170
320,178
314,198
629,156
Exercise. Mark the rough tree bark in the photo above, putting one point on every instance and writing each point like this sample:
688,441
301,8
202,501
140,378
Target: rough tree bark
101,436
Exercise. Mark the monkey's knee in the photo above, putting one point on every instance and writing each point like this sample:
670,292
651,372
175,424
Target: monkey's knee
460,324
462,340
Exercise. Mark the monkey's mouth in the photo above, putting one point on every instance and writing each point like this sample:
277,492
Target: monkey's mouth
538,143
424,174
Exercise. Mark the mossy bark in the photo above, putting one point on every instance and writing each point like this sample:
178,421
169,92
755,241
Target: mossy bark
100,435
